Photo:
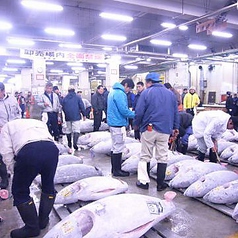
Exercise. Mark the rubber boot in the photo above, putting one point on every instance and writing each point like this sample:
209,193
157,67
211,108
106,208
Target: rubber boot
212,156
141,185
75,140
69,139
116,166
3,175
46,205
184,149
161,169
201,156
29,216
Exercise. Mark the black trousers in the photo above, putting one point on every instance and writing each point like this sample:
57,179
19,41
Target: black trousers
34,158
52,124
97,120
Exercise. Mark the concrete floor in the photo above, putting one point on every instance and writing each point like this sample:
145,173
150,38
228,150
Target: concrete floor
192,219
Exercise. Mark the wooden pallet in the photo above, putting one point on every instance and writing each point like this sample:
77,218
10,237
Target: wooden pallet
158,231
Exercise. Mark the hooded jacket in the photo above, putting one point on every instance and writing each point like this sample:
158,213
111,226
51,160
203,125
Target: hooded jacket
117,110
210,124
72,106
157,106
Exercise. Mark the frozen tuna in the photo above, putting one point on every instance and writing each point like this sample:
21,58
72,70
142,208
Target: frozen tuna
91,139
192,143
223,144
234,158
191,175
87,126
209,181
183,165
69,159
131,149
91,189
63,149
117,216
104,147
224,194
229,151
235,213
230,135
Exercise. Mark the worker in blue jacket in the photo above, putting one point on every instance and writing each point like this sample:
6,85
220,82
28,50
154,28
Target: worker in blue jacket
117,118
156,115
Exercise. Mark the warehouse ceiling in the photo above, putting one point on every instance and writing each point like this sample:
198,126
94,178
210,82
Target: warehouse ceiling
202,17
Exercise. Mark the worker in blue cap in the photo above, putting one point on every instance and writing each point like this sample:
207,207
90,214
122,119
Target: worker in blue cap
156,114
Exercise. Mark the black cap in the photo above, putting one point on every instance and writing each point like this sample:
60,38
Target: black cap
2,87
55,88
235,122
168,85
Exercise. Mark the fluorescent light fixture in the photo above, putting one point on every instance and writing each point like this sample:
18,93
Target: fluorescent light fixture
59,31
116,17
71,46
56,71
131,67
148,59
107,48
2,51
16,61
2,79
75,64
161,42
101,72
168,25
101,65
5,25
179,55
77,68
183,28
10,69
49,63
113,37
3,75
197,47
20,41
116,57
42,6
222,34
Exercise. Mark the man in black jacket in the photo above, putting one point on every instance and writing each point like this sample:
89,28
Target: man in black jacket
73,107
98,104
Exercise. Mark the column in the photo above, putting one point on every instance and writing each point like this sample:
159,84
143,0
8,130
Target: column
26,80
84,84
39,75
112,74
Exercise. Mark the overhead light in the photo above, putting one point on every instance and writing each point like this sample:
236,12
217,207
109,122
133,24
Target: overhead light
101,72
3,75
75,64
197,47
161,42
183,28
116,17
107,48
77,68
5,25
49,63
113,37
168,25
148,59
101,65
59,31
116,57
131,67
20,41
222,34
10,69
179,55
56,71
2,51
71,46
16,61
42,6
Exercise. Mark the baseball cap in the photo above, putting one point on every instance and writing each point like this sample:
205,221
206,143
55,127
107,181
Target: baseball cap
153,76
71,87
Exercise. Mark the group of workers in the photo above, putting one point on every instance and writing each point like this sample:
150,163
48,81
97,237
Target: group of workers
28,149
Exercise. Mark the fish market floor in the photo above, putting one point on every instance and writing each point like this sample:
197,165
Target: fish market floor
192,220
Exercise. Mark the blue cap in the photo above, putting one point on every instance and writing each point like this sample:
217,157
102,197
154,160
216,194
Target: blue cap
154,77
